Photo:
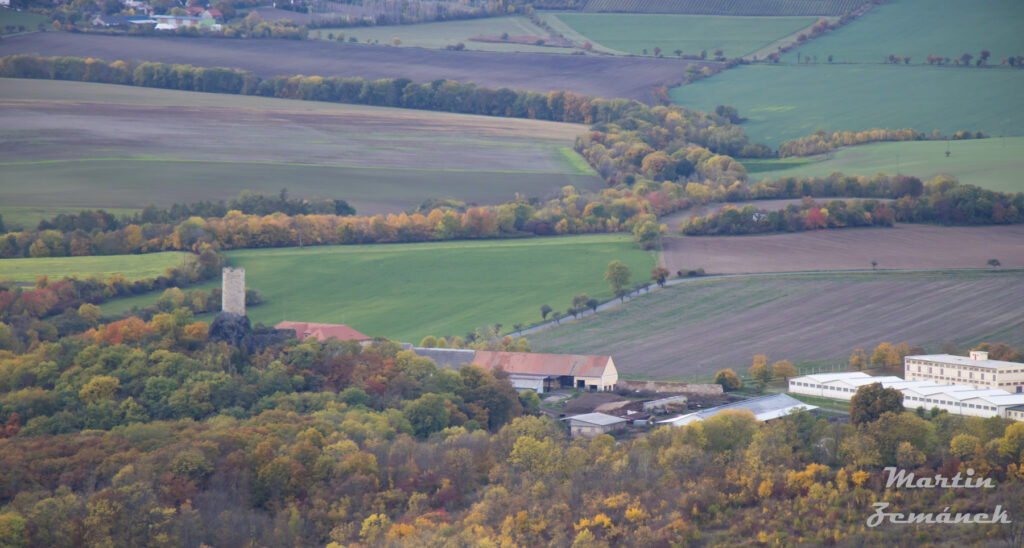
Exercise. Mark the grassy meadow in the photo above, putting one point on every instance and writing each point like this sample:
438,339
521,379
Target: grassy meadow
133,267
786,102
989,163
408,291
14,18
919,28
633,33
447,33
77,145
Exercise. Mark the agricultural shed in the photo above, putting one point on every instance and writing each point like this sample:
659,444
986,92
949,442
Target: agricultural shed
594,373
593,424
535,371
764,408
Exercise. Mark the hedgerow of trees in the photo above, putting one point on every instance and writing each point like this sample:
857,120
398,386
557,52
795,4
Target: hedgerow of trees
941,200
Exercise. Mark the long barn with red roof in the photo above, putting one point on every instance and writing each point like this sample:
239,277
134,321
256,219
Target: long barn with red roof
536,371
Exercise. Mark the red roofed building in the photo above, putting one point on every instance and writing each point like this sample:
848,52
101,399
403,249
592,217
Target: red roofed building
542,372
324,331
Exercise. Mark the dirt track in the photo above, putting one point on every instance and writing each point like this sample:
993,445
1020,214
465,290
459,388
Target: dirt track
628,77
905,246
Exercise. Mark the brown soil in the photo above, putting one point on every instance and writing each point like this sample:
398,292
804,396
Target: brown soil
587,403
903,247
694,329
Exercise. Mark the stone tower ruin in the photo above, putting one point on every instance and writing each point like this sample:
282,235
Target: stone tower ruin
232,298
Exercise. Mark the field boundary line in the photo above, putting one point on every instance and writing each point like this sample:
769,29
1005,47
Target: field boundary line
147,159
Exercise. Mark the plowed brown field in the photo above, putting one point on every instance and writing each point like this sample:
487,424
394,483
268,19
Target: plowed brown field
694,329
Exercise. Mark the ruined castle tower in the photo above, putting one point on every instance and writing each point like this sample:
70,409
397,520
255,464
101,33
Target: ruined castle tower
233,291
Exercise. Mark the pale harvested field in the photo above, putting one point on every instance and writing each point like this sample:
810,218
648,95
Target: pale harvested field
51,120
75,144
601,76
905,246
695,328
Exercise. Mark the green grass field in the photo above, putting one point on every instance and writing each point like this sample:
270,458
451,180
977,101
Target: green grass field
448,33
14,18
994,163
633,33
786,102
919,28
133,267
408,291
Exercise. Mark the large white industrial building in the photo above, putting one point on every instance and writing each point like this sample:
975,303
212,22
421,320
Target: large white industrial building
955,398
975,370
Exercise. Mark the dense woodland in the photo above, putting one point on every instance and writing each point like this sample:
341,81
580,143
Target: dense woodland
173,433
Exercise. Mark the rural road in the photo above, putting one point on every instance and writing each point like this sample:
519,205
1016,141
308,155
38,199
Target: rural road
677,281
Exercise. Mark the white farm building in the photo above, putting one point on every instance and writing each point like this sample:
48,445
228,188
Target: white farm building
954,398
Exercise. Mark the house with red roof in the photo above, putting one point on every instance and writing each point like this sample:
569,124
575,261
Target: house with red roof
324,331
533,370
595,373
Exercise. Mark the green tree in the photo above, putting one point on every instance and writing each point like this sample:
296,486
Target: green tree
544,311
617,276
428,414
530,402
872,400
963,445
728,379
99,388
647,232
994,263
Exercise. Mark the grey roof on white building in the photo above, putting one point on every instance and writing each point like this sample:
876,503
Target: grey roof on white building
960,360
446,358
764,408
599,419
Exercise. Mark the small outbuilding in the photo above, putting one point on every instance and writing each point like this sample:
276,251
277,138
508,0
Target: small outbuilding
594,424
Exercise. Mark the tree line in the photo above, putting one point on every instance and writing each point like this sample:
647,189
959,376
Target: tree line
248,202
942,201
806,215
822,141
440,95
162,433
570,212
